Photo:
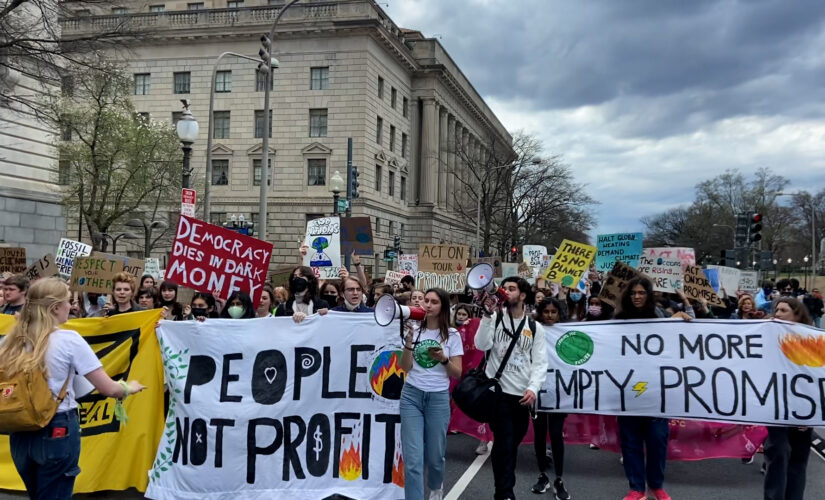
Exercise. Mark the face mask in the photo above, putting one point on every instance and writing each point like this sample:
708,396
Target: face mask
332,300
298,285
575,296
199,312
459,322
235,312
595,310
101,301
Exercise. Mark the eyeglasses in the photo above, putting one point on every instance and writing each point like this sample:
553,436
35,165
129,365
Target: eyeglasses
352,290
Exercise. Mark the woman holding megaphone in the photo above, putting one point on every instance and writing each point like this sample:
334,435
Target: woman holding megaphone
432,355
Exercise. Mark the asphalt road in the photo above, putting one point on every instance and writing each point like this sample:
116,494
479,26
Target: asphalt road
589,475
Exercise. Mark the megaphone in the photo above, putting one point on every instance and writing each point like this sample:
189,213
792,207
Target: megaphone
387,309
480,279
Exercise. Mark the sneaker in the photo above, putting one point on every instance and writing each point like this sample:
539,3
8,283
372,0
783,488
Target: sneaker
593,446
748,460
481,449
439,494
542,484
660,494
635,495
763,468
560,490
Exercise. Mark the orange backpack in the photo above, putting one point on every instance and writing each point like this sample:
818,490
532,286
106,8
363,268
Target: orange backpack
26,402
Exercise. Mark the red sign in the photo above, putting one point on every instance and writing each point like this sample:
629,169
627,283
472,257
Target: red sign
209,258
188,196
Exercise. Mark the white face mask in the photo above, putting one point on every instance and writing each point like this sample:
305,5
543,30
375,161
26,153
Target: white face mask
235,312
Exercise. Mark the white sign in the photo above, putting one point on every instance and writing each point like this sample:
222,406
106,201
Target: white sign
509,269
313,416
152,267
324,241
67,250
188,199
394,277
749,281
729,278
408,263
752,371
664,267
534,256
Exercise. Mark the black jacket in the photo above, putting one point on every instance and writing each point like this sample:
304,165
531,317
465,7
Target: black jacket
285,309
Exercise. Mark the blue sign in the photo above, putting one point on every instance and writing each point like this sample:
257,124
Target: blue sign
626,247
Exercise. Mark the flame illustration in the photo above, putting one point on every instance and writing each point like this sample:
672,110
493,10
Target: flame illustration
804,350
389,366
398,469
349,466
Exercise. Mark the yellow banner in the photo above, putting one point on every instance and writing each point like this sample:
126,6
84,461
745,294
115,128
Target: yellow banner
113,456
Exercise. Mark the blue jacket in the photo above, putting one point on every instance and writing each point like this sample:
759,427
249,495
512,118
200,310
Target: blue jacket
360,309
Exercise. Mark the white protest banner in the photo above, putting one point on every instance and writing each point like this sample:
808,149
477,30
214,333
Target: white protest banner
534,256
394,277
408,263
749,281
625,247
729,278
757,371
663,267
153,267
324,241
67,250
315,416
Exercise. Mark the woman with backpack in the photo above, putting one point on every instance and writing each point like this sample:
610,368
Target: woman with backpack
46,458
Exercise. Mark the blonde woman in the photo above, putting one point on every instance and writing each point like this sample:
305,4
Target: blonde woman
46,459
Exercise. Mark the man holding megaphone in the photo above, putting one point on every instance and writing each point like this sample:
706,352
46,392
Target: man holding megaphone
521,378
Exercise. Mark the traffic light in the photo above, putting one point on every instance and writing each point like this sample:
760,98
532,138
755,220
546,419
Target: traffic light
353,185
265,66
728,258
514,251
396,243
755,229
741,231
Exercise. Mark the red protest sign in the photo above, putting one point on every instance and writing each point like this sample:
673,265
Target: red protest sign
210,258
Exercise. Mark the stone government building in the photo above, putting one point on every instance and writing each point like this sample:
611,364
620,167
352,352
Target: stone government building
346,70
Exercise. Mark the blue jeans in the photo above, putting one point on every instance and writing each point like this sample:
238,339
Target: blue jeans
48,465
640,434
424,420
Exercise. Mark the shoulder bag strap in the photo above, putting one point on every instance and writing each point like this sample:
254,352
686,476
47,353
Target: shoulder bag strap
64,389
516,335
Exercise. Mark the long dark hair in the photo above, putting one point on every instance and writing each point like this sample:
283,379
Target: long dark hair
628,310
210,303
443,316
312,283
173,305
798,308
246,302
547,302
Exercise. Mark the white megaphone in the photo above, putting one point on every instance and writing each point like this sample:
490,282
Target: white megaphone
480,279
387,309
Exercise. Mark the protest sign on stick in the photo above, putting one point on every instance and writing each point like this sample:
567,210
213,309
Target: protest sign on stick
697,286
626,247
94,273
323,239
67,250
43,268
393,277
408,263
534,256
131,265
664,268
12,260
356,236
570,263
493,261
209,258
442,259
616,282
749,281
152,267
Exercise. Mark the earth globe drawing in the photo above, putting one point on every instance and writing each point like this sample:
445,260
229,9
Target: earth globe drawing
319,258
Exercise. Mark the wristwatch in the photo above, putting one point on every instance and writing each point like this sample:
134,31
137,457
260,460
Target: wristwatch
446,361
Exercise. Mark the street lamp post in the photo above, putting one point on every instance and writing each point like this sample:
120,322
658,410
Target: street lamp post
789,267
337,184
127,235
805,270
147,232
775,262
187,128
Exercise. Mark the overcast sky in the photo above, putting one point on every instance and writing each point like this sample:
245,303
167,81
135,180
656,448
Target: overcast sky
645,98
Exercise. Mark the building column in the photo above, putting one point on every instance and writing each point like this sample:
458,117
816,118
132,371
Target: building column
429,153
465,167
451,131
443,151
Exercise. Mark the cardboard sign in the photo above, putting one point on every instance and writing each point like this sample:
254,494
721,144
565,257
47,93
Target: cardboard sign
393,277
131,265
451,282
408,263
43,268
663,267
697,286
12,260
729,278
570,263
356,235
493,261
323,238
749,281
152,267
67,250
94,273
616,282
625,247
524,270
442,259
210,258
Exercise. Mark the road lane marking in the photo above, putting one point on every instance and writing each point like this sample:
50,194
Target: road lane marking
462,483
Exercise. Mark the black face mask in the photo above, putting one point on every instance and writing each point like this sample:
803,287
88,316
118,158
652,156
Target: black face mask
332,300
298,285
200,312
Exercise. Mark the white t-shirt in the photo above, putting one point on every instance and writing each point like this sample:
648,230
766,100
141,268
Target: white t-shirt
67,352
435,378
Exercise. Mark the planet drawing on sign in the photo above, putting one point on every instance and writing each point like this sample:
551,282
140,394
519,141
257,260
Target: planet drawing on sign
363,238
422,353
567,280
386,376
319,258
574,347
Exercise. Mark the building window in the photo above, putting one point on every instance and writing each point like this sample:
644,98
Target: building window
234,4
377,225
256,173
120,11
182,82
220,172
67,85
260,81
401,229
316,172
319,78
403,188
223,81
391,184
380,88
157,8
144,117
390,227
378,178
143,83
393,97
66,133
195,6
392,137
379,130
176,116
217,218
403,145
221,130
317,122
404,105
259,123
64,172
